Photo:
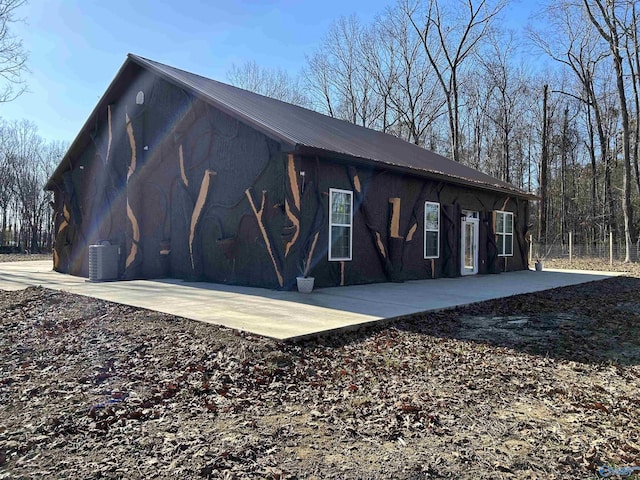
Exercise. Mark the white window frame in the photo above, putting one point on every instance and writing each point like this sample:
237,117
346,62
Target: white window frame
504,233
431,230
347,225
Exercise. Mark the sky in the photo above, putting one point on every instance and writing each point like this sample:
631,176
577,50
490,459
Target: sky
77,46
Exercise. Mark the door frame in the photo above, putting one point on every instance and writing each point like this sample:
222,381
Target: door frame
469,217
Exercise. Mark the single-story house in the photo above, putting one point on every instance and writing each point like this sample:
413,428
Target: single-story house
200,180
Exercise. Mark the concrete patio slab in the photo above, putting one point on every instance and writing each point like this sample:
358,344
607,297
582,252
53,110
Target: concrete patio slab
292,315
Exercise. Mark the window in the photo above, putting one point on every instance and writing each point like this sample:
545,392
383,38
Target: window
504,233
340,224
431,230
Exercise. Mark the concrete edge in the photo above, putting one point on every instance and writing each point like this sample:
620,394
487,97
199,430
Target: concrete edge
387,321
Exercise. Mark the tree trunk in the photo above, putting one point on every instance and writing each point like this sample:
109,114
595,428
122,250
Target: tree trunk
594,172
34,239
563,175
544,161
634,65
452,128
4,226
506,153
455,133
627,209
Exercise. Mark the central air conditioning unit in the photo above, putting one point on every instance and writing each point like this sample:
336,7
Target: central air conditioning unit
103,262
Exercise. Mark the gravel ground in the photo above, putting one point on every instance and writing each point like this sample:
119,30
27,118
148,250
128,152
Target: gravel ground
543,385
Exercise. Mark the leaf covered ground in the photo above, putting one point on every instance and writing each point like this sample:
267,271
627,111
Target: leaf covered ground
544,385
21,257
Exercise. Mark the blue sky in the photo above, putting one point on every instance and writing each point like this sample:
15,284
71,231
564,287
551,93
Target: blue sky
77,46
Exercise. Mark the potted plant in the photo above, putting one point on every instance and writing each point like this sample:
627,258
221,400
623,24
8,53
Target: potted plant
538,264
304,281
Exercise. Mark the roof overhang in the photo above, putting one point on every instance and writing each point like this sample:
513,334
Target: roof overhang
417,172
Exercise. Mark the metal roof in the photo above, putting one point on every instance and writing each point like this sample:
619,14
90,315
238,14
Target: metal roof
312,132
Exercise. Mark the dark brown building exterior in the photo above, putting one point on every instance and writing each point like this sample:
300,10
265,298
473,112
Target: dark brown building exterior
199,180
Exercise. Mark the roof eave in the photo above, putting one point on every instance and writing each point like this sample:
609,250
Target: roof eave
306,150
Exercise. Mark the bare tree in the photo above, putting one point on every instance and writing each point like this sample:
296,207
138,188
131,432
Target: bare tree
319,83
475,124
53,152
13,56
408,85
632,47
506,90
383,64
570,40
607,17
31,169
450,34
337,78
7,184
274,83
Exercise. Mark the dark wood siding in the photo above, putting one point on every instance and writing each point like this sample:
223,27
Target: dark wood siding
392,249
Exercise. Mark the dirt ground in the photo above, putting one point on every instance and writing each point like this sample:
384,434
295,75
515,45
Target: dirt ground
544,385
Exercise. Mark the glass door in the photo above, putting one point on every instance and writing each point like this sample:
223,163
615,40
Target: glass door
469,253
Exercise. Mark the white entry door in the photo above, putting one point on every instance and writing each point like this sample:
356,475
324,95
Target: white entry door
469,243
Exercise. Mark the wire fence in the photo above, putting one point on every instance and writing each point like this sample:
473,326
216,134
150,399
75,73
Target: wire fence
562,252
610,250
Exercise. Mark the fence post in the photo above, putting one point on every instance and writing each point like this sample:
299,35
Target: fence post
570,247
611,249
530,249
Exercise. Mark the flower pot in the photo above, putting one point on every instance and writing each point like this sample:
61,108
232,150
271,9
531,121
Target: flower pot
305,284
538,266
